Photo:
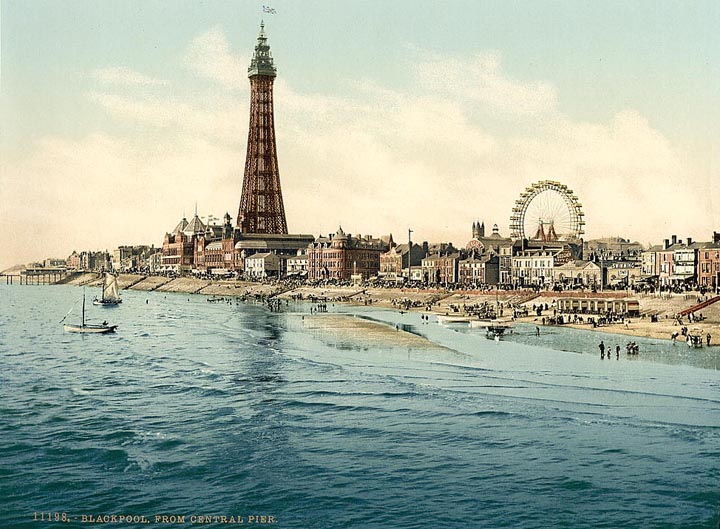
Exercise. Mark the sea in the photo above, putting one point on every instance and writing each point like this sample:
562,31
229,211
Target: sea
226,414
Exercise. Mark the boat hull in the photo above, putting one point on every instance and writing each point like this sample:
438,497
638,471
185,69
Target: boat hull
92,329
103,303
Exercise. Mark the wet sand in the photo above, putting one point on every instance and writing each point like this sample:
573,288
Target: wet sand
350,331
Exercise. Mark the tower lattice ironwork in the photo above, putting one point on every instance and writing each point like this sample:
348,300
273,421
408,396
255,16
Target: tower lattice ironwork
261,203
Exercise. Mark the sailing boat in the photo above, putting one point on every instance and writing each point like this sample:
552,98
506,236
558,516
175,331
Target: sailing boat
110,295
87,327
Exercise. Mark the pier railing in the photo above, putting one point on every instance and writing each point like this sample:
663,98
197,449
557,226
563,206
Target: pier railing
34,277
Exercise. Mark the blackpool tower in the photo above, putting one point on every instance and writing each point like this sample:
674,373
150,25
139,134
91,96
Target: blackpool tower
261,203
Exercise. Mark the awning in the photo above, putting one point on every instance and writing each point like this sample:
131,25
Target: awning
681,277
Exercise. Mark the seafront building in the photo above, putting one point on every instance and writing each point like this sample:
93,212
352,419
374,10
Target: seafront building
481,246
678,264
396,264
535,268
342,256
476,272
263,266
89,261
178,249
73,261
297,265
134,258
685,261
674,263
211,253
611,248
649,265
708,268
441,268
577,273
620,272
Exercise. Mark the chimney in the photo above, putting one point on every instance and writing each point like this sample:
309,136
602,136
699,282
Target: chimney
666,244
689,241
716,237
674,239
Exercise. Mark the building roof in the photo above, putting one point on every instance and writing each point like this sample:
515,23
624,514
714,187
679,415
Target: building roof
577,265
439,257
340,234
473,259
180,226
701,245
194,227
540,252
263,255
273,241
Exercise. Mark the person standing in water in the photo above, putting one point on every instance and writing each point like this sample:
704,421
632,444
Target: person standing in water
602,350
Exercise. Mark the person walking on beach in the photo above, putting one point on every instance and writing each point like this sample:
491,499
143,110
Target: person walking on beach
537,331
708,337
617,352
602,350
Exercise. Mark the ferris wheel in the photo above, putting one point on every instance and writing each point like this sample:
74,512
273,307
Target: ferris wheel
547,211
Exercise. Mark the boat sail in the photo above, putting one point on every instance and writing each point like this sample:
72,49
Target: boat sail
87,327
110,295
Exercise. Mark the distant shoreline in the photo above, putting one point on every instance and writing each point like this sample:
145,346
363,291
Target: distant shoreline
438,299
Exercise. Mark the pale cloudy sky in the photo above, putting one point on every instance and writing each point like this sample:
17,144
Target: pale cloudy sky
117,117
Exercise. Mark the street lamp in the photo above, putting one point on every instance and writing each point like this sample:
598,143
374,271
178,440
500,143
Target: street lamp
409,255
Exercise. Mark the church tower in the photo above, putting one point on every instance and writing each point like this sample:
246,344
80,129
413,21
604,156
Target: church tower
261,203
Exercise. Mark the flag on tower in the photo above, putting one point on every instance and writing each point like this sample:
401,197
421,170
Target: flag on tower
268,9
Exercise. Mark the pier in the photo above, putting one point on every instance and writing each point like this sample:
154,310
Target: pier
35,276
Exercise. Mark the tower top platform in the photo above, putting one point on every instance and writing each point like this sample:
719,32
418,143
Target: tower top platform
262,61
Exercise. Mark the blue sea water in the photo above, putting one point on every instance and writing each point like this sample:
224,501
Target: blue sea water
197,408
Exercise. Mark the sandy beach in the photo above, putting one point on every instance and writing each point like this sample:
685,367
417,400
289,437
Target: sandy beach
434,301
345,330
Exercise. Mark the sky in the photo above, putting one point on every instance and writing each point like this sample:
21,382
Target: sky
118,118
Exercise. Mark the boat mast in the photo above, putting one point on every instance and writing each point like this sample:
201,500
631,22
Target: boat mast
83,308
106,282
